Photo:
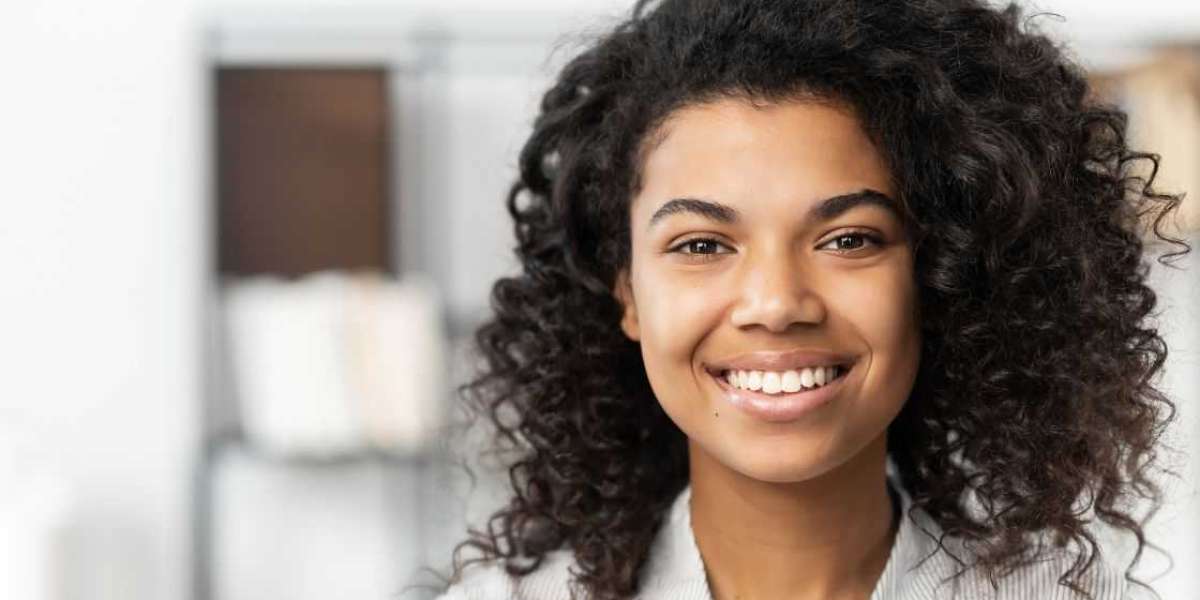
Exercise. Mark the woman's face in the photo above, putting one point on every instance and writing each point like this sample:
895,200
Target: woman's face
753,263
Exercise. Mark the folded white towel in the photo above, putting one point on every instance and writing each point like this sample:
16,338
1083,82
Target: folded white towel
287,341
337,362
397,359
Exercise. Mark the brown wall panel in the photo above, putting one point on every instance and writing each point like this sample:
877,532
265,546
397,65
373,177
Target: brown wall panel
302,167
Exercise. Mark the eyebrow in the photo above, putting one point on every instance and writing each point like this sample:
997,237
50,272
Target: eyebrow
825,210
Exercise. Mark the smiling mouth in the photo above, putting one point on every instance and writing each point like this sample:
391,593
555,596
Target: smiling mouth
778,406
722,379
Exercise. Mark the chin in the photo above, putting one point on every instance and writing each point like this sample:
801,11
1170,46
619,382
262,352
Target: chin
779,475
793,472
774,464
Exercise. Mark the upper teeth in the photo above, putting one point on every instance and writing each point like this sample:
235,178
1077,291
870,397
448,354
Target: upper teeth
774,382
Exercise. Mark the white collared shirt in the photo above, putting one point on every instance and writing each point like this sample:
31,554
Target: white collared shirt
675,570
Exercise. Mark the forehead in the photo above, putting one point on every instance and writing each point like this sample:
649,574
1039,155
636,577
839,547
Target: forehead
734,149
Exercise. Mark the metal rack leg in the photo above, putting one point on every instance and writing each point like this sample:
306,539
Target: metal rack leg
202,522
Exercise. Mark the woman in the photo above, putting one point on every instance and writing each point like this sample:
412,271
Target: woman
822,299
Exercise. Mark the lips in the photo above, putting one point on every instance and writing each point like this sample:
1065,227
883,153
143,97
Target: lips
782,407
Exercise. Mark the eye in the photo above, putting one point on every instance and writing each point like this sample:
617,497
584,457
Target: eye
704,248
850,237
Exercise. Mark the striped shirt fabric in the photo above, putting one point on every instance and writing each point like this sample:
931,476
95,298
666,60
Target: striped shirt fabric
675,570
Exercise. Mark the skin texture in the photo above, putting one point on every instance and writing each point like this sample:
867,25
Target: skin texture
801,505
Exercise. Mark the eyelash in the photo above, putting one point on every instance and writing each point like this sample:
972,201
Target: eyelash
874,239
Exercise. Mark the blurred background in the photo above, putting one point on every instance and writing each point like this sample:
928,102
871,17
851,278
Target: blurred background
246,241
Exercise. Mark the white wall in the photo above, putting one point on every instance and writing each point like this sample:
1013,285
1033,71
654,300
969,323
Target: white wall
103,242
100,246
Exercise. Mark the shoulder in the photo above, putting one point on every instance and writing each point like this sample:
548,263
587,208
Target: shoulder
926,568
1104,580
488,580
673,570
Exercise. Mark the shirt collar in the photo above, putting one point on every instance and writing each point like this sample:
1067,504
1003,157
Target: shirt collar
675,568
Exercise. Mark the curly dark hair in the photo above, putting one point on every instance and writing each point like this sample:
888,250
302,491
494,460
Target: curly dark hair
1030,218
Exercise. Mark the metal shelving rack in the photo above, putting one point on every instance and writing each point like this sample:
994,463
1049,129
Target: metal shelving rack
416,50
219,444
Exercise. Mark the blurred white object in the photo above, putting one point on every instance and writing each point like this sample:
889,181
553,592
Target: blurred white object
286,339
336,362
35,505
396,358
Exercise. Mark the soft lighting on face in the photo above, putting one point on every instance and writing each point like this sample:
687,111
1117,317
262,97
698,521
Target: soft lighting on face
737,248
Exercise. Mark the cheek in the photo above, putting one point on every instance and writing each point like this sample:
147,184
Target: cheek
883,311
674,317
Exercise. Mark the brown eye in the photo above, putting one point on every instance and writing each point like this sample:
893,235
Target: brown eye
703,248
851,241
698,246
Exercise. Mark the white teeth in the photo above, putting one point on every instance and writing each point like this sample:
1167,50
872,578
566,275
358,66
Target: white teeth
806,378
754,380
771,383
774,382
791,381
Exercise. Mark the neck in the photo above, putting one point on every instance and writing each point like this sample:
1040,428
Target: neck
826,537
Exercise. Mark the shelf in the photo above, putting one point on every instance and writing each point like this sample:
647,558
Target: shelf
232,442
328,164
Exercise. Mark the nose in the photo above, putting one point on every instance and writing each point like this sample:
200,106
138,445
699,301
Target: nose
776,292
